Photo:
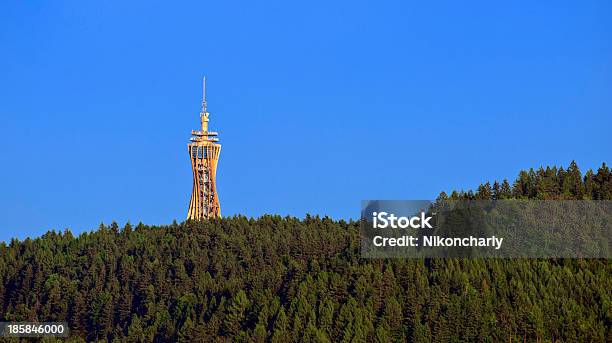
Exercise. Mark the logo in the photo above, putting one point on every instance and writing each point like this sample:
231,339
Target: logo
383,220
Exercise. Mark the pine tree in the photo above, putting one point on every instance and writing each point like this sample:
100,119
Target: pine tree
186,332
235,313
135,331
280,327
505,191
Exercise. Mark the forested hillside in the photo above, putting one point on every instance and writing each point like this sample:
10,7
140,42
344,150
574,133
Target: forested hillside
290,280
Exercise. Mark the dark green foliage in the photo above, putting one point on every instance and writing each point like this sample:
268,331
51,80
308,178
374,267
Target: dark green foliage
547,184
277,279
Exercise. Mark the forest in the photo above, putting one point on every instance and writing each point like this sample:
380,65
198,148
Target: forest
284,279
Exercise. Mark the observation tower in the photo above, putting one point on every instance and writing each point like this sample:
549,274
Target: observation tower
204,151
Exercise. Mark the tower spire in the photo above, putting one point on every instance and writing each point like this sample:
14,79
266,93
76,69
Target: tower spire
204,94
204,113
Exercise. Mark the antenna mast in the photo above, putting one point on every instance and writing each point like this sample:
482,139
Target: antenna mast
203,113
204,94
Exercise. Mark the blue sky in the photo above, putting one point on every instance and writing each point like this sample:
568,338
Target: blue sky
319,104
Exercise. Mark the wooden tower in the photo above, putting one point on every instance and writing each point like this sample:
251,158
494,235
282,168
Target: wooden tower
204,151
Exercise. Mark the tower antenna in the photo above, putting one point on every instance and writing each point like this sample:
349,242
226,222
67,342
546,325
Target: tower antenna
204,94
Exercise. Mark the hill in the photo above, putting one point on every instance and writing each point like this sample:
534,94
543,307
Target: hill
288,280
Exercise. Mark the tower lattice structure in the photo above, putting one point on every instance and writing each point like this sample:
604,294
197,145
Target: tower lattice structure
204,151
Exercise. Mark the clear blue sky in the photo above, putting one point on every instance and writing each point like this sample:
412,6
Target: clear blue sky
319,104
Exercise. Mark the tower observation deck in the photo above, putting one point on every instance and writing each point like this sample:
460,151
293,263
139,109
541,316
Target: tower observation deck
204,151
